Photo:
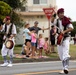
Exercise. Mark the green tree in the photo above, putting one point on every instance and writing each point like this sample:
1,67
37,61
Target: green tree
15,3
74,31
15,18
5,10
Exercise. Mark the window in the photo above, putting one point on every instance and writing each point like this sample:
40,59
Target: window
39,1
35,1
43,1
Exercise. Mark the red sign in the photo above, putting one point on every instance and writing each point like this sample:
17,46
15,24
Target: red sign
48,12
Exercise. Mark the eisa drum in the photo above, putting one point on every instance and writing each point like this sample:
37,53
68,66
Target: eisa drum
60,39
9,44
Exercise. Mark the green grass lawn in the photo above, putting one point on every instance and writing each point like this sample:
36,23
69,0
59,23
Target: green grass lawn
17,50
73,51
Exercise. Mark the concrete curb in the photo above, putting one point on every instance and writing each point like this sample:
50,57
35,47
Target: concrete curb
23,60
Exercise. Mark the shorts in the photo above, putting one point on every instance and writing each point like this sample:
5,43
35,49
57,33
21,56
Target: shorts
52,42
33,44
27,40
40,47
36,44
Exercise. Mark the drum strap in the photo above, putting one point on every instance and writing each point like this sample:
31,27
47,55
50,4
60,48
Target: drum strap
57,24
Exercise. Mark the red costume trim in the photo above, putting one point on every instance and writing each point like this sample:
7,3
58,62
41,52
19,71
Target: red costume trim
65,21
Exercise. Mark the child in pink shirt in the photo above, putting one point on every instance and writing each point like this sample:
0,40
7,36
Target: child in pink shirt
46,46
33,41
40,44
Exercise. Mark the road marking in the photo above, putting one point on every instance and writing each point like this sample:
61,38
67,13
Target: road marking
45,72
37,62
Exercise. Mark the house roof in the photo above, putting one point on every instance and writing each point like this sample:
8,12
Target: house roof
31,13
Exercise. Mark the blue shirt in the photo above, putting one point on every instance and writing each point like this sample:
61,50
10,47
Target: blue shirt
25,32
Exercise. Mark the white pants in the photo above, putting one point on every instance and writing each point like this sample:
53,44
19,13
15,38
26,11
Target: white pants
63,49
6,51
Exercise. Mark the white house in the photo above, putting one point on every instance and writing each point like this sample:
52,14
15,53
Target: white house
33,11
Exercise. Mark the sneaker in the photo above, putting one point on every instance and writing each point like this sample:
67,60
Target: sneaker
66,71
61,72
5,64
9,65
27,57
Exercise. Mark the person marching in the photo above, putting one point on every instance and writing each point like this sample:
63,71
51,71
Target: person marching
64,27
10,33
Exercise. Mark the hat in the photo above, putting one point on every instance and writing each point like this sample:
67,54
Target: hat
36,22
8,18
60,10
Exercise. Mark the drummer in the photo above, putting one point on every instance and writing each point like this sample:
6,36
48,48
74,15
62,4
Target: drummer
65,27
10,33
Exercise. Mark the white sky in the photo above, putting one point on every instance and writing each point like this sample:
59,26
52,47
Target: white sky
69,7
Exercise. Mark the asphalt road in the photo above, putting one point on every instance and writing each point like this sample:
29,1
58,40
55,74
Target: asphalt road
37,68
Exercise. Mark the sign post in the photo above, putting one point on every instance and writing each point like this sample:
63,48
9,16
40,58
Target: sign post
48,12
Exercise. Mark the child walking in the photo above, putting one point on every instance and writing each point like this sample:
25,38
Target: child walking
40,44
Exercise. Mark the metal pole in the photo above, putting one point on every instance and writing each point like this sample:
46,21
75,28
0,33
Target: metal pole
49,33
